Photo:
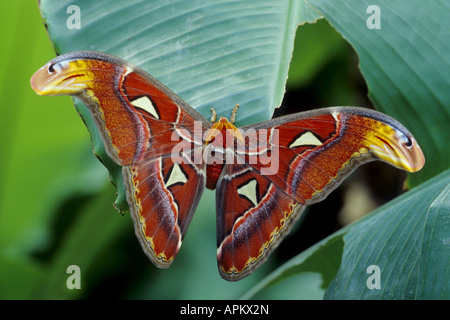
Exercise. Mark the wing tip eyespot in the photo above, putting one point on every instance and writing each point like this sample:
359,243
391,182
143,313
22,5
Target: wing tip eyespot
51,68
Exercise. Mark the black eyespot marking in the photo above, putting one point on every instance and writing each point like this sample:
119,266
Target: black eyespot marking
409,142
50,68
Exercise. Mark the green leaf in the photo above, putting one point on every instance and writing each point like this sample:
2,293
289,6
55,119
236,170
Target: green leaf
19,276
33,133
210,53
434,265
408,239
406,64
311,56
85,241
312,270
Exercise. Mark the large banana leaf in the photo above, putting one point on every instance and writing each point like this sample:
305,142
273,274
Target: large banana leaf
408,239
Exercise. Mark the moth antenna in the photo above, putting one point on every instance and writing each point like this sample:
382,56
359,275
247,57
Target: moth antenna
214,115
233,114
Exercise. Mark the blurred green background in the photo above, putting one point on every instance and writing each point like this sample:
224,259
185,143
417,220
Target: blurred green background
56,201
41,151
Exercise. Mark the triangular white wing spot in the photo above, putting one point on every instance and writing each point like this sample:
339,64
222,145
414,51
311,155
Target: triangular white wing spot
249,191
146,104
306,139
176,176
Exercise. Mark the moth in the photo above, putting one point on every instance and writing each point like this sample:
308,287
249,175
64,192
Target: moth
264,174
